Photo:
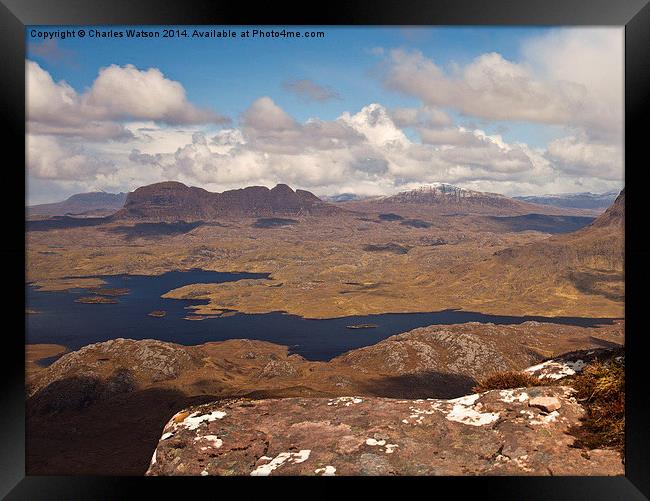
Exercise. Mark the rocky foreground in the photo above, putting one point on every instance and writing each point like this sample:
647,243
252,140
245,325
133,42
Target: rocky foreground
500,432
102,409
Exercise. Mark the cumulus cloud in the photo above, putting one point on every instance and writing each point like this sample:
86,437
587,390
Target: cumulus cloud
118,94
579,155
571,79
490,87
448,136
265,115
310,90
124,92
364,152
565,77
422,117
267,127
590,57
47,158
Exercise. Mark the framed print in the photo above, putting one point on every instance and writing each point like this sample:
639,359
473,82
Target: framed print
370,240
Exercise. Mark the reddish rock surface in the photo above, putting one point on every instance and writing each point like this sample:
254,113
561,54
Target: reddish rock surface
101,410
493,433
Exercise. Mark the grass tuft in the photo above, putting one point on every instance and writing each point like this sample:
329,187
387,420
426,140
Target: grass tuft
601,391
509,379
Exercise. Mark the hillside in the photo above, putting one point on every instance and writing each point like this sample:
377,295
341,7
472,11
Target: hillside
127,390
595,201
588,262
599,245
446,199
87,204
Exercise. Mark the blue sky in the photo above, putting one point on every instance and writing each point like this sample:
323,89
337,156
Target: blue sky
228,75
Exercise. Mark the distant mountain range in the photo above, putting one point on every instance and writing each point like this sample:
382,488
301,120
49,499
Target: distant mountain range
342,197
174,201
96,203
584,200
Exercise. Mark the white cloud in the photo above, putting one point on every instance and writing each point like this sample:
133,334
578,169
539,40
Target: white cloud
118,94
125,92
490,87
590,57
48,159
264,115
423,117
371,156
570,78
363,152
578,155
376,125
448,136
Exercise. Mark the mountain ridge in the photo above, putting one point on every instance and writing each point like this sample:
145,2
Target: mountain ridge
172,201
447,199
92,203
584,200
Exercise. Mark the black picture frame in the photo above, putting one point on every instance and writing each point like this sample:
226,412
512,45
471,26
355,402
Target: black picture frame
633,14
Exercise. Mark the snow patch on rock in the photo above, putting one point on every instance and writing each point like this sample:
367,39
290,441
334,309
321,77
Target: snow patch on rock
328,471
193,421
509,396
554,369
212,440
347,401
284,457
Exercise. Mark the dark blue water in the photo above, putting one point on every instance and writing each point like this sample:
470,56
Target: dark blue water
63,321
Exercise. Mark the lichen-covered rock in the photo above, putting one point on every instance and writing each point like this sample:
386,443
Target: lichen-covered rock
278,368
570,364
102,370
494,433
474,349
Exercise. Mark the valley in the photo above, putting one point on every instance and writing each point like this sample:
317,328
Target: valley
372,251
348,263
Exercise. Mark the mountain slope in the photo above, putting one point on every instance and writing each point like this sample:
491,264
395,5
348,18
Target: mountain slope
563,269
173,201
598,201
599,245
94,203
446,199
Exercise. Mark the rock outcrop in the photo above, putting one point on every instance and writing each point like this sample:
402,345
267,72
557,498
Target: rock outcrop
174,201
500,432
101,409
473,349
